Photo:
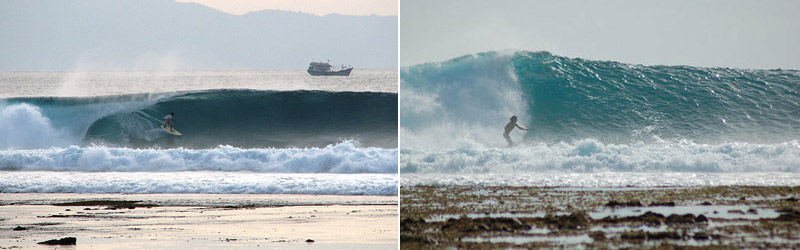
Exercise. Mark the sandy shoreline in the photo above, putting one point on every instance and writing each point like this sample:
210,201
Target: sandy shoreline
199,221
490,217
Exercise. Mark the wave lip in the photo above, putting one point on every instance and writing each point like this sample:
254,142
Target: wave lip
340,158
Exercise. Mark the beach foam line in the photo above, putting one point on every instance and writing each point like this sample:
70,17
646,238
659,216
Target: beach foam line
197,182
604,179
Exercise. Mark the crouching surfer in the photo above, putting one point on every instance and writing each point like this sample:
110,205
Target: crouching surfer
168,121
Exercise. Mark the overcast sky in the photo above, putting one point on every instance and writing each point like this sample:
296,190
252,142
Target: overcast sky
710,33
316,7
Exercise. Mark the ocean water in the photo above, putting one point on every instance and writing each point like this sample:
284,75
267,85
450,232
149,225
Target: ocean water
243,132
596,123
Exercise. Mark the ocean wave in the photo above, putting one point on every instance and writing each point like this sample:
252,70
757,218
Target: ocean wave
589,116
241,118
565,99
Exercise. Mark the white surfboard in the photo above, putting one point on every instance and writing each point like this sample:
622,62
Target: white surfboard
172,132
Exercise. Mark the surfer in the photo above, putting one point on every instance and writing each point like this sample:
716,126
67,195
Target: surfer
168,120
510,126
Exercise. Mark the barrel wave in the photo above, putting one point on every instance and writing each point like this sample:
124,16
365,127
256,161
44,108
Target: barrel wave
592,116
239,118
244,132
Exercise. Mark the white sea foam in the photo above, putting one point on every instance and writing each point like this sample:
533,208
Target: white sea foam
453,103
197,182
589,156
23,126
604,179
340,158
26,126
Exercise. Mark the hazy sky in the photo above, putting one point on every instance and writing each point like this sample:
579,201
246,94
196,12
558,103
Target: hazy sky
714,33
86,35
316,7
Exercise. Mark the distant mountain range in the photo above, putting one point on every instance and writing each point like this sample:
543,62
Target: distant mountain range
51,35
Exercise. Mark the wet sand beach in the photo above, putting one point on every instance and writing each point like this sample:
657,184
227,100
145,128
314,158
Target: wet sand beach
491,217
199,221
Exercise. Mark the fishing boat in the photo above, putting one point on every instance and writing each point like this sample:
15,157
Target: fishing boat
325,69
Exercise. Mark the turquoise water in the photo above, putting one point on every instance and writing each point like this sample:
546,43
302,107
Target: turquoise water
590,116
575,98
564,99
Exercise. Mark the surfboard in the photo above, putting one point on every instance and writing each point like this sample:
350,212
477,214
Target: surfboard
172,132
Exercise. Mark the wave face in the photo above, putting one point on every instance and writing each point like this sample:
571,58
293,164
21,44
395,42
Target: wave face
596,116
240,118
577,98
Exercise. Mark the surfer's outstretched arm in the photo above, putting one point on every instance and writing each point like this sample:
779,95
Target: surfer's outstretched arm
520,127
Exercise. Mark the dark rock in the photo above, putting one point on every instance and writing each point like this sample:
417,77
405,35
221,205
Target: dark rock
573,221
62,241
467,225
412,221
701,218
633,236
649,218
633,203
701,236
19,228
405,228
789,214
639,236
752,211
310,241
663,235
706,203
663,204
791,199
680,219
414,239
598,235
